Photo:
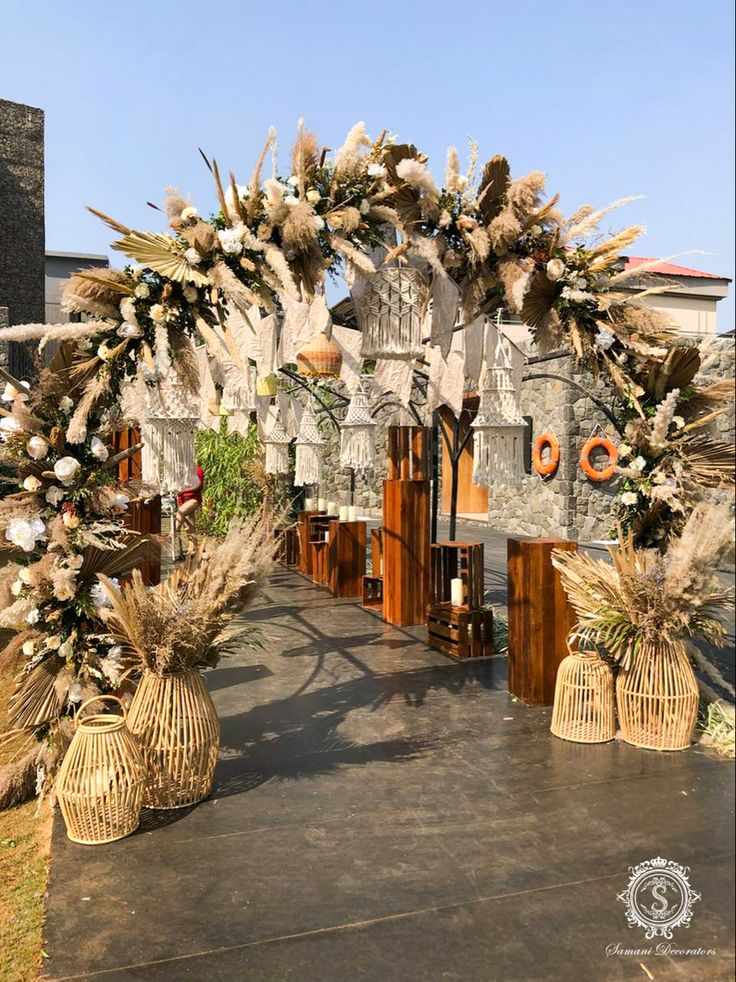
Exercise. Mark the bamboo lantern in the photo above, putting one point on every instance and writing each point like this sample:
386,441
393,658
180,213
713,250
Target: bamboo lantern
277,451
391,313
308,469
176,724
657,698
266,385
168,432
101,779
498,437
584,705
320,358
358,431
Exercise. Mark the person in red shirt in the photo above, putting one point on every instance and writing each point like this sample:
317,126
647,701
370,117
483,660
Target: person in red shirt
188,504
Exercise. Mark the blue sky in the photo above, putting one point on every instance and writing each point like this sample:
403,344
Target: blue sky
609,99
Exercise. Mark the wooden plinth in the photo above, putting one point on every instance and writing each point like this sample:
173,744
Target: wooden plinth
457,560
372,597
459,632
540,619
321,563
304,533
405,552
347,558
144,516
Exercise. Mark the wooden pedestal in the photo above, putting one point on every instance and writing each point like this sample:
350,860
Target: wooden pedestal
457,560
288,552
347,558
460,633
405,551
372,593
321,563
540,619
304,533
144,516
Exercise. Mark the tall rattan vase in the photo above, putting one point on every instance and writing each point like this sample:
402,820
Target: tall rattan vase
100,782
657,698
177,727
584,706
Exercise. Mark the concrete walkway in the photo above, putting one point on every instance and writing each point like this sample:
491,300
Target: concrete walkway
383,813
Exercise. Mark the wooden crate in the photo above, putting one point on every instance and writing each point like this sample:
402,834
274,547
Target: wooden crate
304,534
457,560
321,563
372,593
460,633
346,558
540,618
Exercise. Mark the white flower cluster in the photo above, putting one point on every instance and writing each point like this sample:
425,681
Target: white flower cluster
25,534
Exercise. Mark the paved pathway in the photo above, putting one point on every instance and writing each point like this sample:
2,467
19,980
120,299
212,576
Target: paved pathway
383,813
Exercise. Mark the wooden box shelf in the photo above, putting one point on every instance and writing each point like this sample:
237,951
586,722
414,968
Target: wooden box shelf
288,550
457,560
377,552
372,593
305,533
321,563
346,558
460,633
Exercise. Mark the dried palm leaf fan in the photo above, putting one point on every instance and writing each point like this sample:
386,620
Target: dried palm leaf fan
498,438
391,312
308,469
277,451
320,358
168,431
584,705
358,431
101,779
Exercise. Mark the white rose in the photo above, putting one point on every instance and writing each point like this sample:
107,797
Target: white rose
629,498
128,331
192,256
319,222
376,170
188,213
66,648
555,269
8,426
103,352
31,483
158,313
659,478
53,641
291,200
678,421
365,207
229,239
136,271
66,470
24,534
33,615
29,649
10,392
66,404
16,587
313,196
142,291
98,449
70,520
624,450
120,500
54,495
37,447
190,294
24,575
638,465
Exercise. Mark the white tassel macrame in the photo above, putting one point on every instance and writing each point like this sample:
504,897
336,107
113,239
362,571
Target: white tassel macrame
308,469
498,438
391,313
170,425
358,432
277,451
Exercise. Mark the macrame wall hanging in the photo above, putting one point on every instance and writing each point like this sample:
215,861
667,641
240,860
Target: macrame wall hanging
168,429
391,313
358,431
277,450
498,438
308,469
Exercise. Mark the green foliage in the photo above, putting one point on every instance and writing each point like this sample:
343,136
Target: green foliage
230,488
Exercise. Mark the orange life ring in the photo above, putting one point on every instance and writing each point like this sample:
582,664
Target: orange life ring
591,472
551,441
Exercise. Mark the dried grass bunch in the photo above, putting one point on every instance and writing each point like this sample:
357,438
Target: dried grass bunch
647,599
184,623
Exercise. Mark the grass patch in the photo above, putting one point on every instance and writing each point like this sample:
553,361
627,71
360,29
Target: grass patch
230,490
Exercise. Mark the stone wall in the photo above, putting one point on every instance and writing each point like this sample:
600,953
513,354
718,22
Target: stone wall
22,232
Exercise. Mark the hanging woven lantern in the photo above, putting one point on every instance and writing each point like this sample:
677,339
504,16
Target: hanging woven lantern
320,358
358,432
308,469
391,312
498,438
277,451
168,430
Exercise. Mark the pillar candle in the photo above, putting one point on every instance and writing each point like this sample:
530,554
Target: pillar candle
309,504
456,592
352,513
343,513
327,536
321,504
331,509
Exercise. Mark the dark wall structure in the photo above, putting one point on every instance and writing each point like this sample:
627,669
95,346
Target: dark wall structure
22,231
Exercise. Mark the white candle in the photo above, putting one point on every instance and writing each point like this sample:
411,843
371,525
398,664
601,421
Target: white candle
344,513
327,536
380,567
331,510
456,592
352,513
321,504
309,504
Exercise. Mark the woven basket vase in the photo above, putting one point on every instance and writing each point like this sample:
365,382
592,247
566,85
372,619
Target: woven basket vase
584,705
177,728
657,699
101,779
319,358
